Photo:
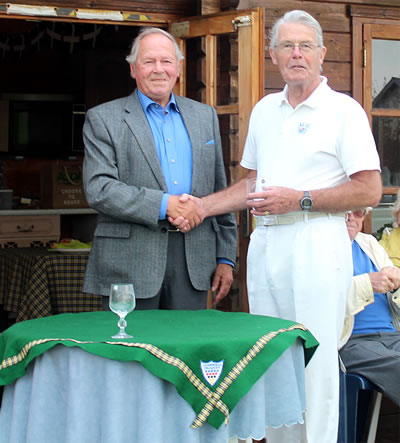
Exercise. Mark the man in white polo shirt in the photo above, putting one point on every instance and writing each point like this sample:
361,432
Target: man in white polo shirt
314,156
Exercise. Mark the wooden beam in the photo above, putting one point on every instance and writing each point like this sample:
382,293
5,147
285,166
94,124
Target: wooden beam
210,7
211,70
227,109
199,26
383,112
77,15
169,7
375,11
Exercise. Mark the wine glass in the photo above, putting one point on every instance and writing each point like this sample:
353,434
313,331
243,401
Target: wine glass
122,302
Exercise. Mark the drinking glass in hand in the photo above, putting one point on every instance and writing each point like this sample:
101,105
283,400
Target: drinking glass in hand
122,302
255,184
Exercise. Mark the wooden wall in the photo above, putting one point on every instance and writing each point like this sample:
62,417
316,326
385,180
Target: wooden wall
337,38
335,20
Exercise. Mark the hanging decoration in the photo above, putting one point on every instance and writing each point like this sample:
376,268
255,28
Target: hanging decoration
64,33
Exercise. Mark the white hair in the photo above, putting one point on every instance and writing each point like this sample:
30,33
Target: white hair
131,58
296,16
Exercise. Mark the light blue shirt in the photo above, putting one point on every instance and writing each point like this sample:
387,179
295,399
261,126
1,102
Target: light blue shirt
173,145
174,149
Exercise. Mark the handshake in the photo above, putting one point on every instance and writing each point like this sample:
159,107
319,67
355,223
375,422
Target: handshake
185,211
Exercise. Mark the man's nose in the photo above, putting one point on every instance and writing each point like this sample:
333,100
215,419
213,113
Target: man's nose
296,52
157,66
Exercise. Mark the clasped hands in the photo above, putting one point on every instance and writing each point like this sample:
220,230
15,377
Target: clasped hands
185,211
385,280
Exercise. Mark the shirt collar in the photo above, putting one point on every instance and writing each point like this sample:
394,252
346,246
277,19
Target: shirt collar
146,101
314,99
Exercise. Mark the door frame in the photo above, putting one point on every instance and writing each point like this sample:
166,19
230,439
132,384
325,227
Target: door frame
249,26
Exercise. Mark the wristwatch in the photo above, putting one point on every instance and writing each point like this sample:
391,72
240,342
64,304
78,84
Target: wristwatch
306,203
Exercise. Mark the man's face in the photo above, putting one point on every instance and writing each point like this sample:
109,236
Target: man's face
297,67
354,222
156,69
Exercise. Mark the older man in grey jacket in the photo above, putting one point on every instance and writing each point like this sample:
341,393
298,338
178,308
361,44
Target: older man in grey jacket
141,153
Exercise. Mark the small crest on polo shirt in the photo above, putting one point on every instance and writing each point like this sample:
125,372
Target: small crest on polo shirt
303,128
211,370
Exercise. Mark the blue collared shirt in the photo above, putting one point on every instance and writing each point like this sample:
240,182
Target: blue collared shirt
173,145
174,149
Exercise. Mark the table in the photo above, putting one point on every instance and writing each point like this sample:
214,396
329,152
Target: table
82,386
37,283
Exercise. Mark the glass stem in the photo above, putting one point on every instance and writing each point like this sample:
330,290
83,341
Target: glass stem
122,324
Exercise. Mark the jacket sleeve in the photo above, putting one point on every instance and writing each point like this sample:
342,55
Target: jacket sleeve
106,188
360,294
226,223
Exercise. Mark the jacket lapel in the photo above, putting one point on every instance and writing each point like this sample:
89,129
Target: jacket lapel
191,120
137,122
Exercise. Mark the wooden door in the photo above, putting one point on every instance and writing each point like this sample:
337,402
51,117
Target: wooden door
224,67
381,96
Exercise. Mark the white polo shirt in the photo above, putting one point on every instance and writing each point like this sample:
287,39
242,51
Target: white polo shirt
317,145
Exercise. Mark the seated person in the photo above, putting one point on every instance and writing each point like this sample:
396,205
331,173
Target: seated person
370,334
390,239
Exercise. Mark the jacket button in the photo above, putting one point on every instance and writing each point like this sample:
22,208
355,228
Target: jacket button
164,230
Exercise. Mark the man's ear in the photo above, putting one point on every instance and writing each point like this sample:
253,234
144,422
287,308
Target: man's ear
272,54
179,68
132,70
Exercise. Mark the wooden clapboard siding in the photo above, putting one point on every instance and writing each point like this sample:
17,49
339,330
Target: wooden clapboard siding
332,17
337,38
365,2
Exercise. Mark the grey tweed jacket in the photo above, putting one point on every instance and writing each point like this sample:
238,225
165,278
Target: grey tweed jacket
124,182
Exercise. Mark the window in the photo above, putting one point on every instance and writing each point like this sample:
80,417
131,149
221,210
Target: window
376,85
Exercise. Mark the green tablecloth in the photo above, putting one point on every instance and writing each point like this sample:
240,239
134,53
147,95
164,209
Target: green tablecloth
169,344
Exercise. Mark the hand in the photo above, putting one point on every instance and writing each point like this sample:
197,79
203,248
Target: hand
222,281
191,205
274,200
385,280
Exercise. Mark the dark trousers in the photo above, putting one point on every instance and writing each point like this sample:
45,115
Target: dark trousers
177,292
376,357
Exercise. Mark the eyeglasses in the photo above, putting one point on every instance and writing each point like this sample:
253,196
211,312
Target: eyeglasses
304,47
357,214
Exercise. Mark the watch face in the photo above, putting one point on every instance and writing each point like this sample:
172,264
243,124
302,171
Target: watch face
306,203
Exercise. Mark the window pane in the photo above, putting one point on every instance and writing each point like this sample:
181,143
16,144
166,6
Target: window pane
382,214
387,137
385,74
195,79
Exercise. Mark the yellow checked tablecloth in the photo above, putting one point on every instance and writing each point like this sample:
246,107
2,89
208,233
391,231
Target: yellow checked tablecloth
37,283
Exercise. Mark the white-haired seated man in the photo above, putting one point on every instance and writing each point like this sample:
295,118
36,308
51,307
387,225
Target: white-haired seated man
371,337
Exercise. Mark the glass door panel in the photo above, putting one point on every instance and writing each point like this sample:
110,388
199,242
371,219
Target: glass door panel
385,73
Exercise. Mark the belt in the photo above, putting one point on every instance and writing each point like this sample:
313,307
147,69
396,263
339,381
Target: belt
289,219
172,228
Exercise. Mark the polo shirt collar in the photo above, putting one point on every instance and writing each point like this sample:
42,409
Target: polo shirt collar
314,99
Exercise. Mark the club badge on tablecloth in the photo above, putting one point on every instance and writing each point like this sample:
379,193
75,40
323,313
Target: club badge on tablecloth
303,128
211,370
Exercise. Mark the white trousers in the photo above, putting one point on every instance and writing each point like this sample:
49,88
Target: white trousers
302,272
